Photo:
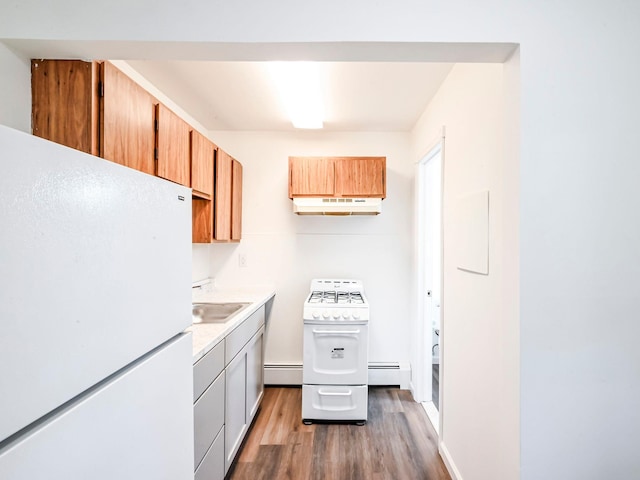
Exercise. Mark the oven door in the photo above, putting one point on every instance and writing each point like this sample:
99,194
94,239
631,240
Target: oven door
335,354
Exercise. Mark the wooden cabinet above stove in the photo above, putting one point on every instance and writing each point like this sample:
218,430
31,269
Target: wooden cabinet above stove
337,177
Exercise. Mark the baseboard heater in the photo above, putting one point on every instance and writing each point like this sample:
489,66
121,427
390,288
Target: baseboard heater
283,374
380,373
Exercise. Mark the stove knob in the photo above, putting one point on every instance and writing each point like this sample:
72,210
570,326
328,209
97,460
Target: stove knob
325,314
345,314
336,315
356,315
315,314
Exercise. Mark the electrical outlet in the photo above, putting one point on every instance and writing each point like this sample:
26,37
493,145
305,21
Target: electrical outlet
242,260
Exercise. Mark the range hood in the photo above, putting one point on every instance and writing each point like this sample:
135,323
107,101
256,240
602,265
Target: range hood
337,206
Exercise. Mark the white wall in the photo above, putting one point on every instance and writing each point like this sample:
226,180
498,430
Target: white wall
15,90
579,234
200,262
478,397
288,250
579,260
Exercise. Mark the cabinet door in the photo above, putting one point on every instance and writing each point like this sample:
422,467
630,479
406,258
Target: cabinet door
223,188
208,418
201,220
360,176
212,467
173,147
311,176
202,158
64,103
235,413
236,201
127,135
255,373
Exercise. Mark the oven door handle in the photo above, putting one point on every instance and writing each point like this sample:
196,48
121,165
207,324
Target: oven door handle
336,332
334,394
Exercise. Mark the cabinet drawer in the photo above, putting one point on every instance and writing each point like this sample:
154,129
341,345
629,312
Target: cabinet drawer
212,466
207,369
208,418
242,334
334,402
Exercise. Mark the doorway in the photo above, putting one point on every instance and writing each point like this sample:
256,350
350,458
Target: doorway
430,247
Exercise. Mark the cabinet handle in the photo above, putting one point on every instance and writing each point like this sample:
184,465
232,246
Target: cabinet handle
334,394
336,332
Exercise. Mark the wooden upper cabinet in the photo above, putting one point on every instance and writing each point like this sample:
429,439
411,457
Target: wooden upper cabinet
127,116
95,108
311,176
360,176
337,177
223,198
220,220
202,220
202,158
173,157
64,103
236,201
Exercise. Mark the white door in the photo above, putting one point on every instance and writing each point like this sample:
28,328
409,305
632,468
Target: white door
335,354
430,272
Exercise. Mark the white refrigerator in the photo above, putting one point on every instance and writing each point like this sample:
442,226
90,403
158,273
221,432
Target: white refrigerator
95,293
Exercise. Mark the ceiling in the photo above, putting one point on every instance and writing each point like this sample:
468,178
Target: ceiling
370,86
359,96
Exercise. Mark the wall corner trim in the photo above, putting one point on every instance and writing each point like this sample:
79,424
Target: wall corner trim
448,461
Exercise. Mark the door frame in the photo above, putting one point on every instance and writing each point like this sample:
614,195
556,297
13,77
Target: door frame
423,354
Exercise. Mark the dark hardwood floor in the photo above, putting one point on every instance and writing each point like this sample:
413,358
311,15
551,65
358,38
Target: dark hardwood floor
398,442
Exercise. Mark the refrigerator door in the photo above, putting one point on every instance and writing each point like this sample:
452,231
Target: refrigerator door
96,271
137,425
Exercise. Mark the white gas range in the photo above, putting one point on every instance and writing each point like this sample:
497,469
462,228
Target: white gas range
336,331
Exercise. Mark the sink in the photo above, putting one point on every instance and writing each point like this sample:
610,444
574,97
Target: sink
215,312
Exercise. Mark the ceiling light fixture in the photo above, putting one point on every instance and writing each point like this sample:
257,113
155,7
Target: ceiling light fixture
300,91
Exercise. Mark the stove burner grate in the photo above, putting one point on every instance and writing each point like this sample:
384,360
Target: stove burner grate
333,297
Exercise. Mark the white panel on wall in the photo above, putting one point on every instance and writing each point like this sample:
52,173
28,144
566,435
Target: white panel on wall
473,225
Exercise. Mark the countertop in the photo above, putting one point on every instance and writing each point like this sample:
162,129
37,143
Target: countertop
208,335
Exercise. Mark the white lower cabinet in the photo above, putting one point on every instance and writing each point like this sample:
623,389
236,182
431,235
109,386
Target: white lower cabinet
208,416
226,408
212,466
235,418
255,373
245,388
